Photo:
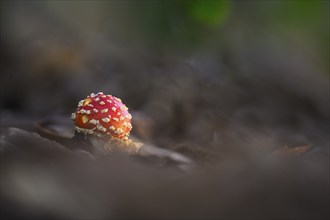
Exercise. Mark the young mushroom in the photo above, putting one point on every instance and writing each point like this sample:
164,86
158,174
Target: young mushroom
105,119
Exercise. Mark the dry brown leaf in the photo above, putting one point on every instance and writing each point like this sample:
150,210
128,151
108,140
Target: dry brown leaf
288,151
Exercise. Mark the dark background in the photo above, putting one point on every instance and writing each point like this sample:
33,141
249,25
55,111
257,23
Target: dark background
223,82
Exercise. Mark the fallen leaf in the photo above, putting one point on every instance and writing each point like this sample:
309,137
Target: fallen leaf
295,151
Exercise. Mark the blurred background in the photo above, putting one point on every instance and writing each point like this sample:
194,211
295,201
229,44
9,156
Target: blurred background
186,64
221,76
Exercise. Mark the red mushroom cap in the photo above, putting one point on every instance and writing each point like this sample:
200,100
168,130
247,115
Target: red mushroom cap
102,115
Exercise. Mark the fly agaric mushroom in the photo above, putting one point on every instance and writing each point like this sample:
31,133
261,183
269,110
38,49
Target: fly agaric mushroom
103,115
105,119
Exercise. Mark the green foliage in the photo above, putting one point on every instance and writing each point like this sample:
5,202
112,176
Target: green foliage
210,12
183,23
